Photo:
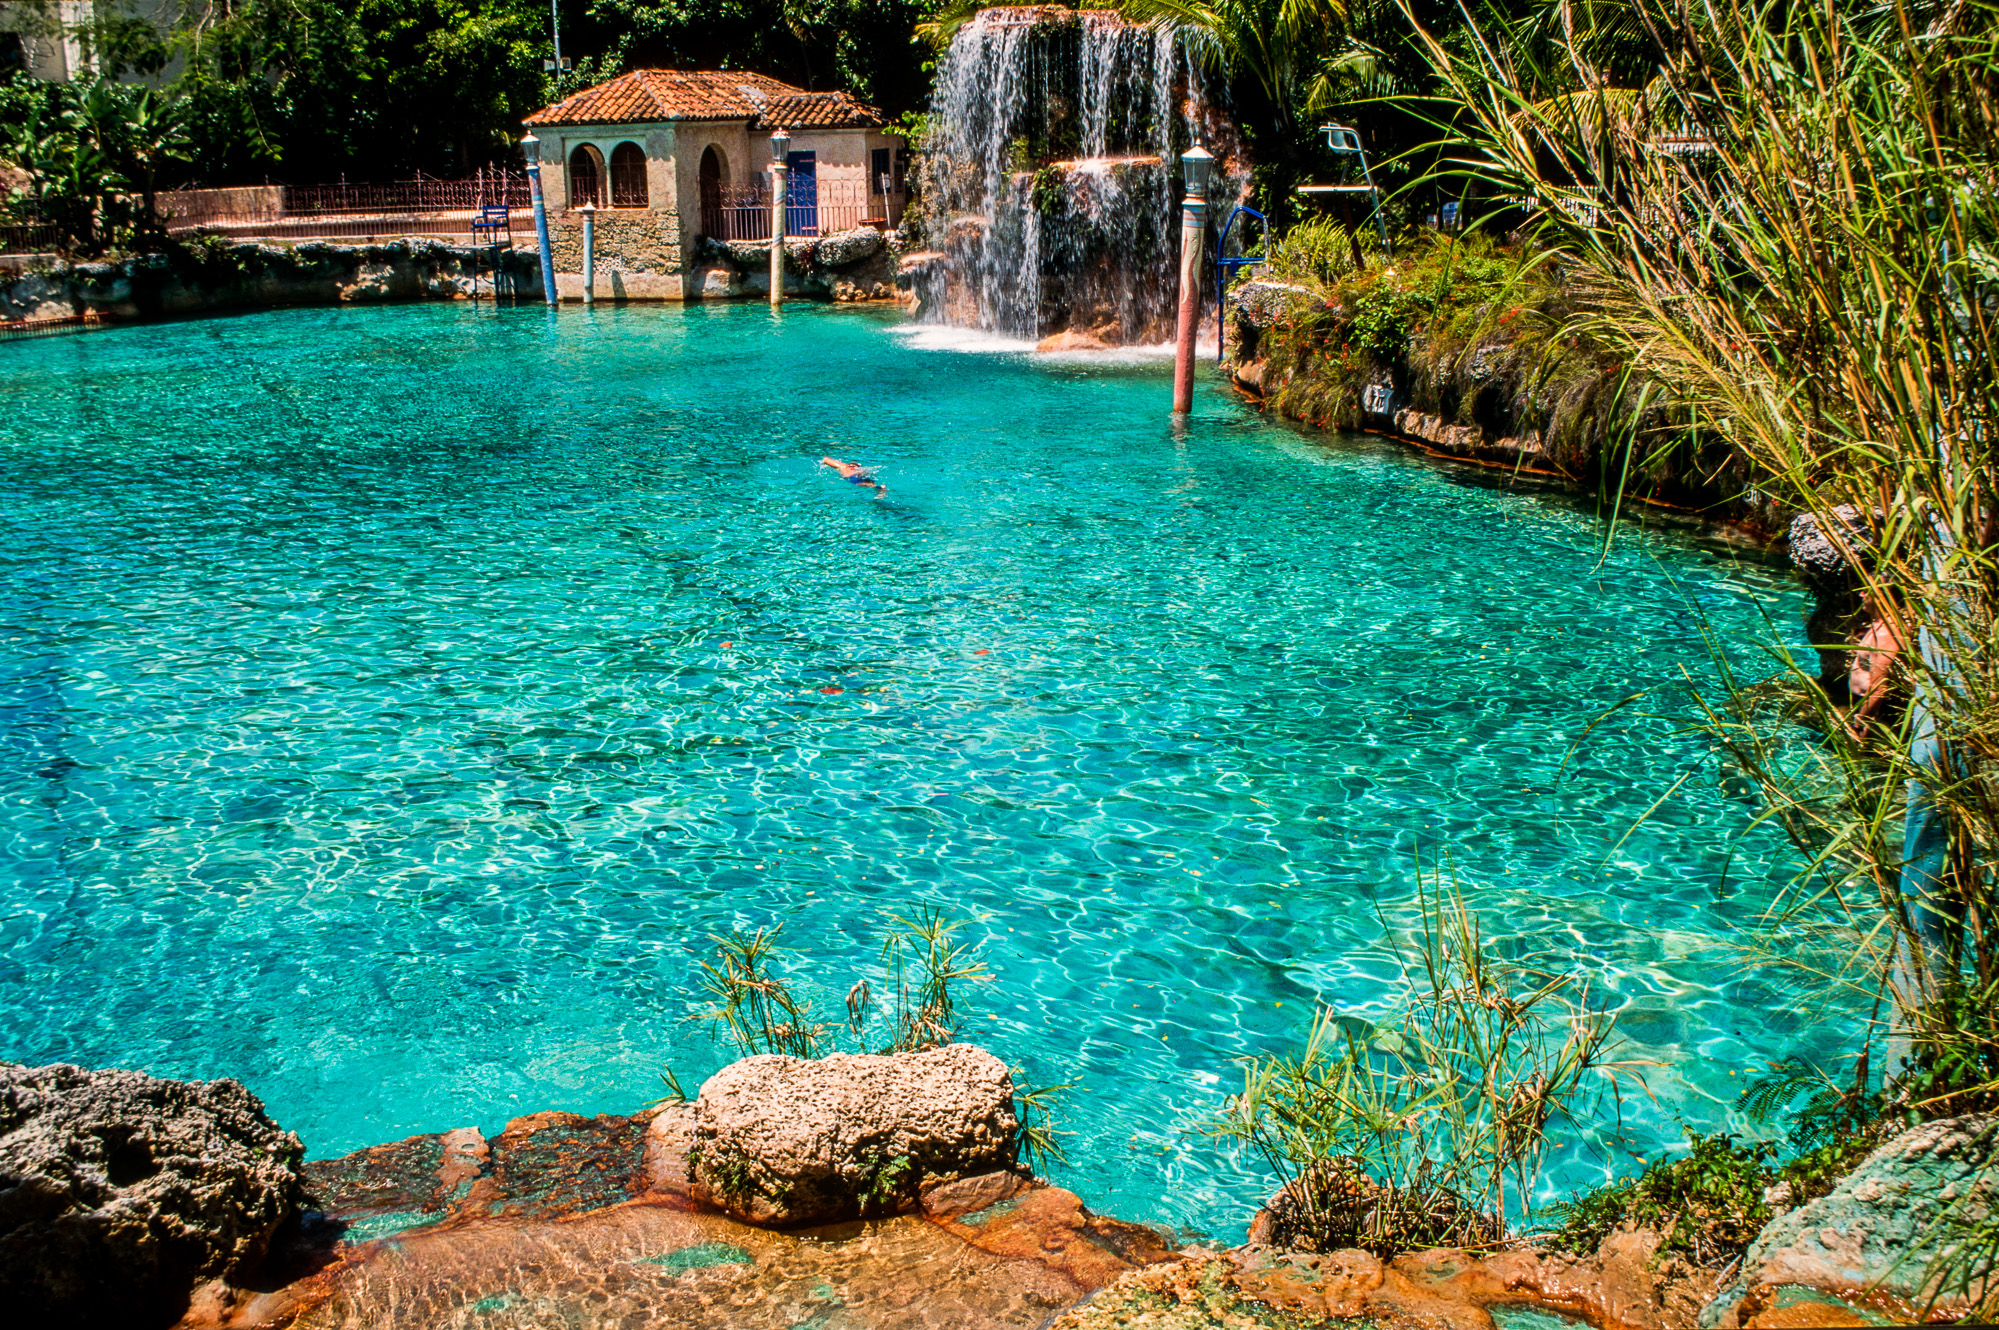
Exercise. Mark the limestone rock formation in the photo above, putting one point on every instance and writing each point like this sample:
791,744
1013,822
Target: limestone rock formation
786,1141
1625,1286
1071,340
1877,1236
849,247
1815,555
120,1191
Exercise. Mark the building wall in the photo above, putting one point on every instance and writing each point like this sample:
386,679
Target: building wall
53,52
639,254
646,253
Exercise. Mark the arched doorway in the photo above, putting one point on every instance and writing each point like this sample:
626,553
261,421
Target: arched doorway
586,177
714,180
628,176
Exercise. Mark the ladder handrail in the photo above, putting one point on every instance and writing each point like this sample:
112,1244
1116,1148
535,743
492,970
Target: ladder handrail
1225,268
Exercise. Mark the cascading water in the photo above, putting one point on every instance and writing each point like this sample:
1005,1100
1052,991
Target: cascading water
1049,190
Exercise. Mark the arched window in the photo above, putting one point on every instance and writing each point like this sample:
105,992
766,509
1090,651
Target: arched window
628,176
586,177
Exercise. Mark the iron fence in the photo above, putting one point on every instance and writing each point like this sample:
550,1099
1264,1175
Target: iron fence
365,229
27,234
421,207
12,330
817,208
485,188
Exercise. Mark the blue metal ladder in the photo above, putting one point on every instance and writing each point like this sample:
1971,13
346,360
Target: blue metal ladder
1227,267
492,227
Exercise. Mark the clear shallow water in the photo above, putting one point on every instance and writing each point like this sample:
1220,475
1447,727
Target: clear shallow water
392,702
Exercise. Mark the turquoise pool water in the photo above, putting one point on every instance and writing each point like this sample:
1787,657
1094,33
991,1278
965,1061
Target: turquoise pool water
395,700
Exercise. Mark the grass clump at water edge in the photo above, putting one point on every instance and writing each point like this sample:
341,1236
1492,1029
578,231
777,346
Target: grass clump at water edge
1428,1128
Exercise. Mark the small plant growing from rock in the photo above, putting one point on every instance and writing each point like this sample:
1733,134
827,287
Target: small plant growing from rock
924,960
888,1181
752,1001
1039,1141
1429,1128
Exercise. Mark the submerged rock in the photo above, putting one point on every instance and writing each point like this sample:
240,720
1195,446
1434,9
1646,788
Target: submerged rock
786,1141
119,1192
1877,1238
1071,340
1625,1286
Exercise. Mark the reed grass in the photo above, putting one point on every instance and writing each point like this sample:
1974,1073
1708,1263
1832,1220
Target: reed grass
1787,216
1429,1127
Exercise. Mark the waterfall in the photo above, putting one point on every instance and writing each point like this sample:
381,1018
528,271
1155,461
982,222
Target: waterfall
1049,187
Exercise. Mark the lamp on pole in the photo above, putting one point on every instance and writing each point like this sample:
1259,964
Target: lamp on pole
780,170
531,148
1195,163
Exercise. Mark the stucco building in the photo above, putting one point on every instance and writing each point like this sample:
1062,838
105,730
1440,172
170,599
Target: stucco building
669,156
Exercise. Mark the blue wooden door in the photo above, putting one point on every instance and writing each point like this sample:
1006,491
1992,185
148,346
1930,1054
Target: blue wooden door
801,206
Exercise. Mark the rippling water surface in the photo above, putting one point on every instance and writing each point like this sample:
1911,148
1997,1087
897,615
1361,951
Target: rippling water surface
396,699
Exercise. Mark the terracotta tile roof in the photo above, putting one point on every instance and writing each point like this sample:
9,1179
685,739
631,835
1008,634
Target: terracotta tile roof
819,110
668,94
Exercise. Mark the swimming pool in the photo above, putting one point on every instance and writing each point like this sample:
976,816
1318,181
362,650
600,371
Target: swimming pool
396,699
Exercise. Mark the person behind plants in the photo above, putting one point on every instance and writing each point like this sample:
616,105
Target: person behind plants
1868,679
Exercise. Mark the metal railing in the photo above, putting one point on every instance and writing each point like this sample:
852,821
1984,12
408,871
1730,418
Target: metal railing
484,188
14,330
421,207
27,234
742,212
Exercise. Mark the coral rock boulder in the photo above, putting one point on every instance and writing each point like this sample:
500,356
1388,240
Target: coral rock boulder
786,1141
119,1192
1884,1236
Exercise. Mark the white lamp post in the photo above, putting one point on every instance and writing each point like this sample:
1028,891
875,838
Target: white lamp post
531,149
780,169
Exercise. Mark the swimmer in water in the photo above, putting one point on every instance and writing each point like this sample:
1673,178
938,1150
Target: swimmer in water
856,474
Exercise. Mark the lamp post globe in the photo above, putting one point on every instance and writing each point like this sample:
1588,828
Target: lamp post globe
531,149
780,144
1195,166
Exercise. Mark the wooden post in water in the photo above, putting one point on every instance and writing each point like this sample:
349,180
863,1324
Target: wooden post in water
780,169
589,211
1194,166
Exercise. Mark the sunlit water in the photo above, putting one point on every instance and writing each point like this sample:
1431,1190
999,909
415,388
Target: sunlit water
395,701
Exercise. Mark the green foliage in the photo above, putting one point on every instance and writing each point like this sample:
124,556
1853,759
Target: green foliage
1429,1127
752,1001
92,152
1954,1066
1707,1203
1317,253
923,959
886,1180
314,90
1811,280
1040,1143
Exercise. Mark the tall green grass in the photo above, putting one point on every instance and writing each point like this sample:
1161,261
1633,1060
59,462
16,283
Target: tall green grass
1428,1127
1787,216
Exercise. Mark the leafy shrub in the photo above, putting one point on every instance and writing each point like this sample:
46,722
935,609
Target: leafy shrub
1708,1203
